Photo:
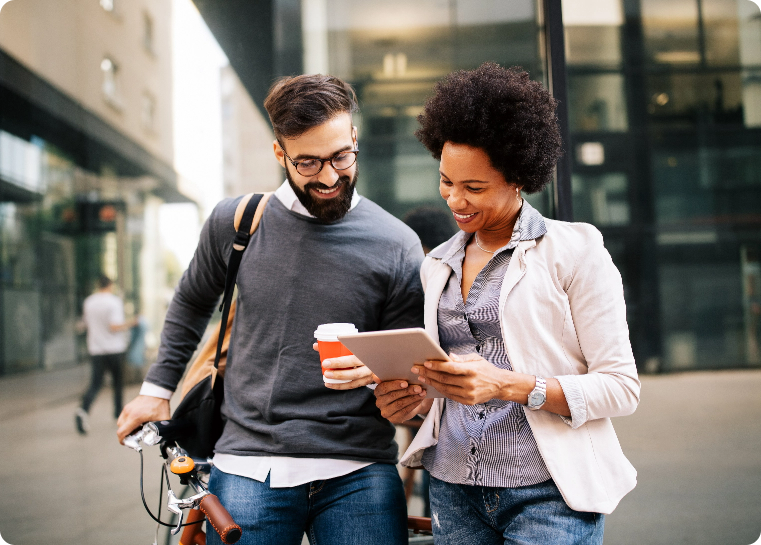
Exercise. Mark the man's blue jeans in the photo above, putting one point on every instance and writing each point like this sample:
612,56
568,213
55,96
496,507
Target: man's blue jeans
528,515
366,506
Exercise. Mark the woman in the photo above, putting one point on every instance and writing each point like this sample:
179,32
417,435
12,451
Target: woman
532,312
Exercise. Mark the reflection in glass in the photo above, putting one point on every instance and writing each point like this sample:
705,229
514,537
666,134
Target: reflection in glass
593,32
749,28
671,31
597,103
720,26
751,275
602,200
702,307
692,97
707,185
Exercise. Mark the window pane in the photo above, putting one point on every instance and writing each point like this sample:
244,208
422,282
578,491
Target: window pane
679,98
593,31
601,199
597,103
670,31
721,28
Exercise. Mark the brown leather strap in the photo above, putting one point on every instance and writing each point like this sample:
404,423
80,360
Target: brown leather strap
204,361
419,524
220,519
259,211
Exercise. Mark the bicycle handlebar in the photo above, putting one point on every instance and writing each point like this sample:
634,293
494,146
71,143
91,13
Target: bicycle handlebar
165,432
170,430
220,519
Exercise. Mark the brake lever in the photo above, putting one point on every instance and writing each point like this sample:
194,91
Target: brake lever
133,441
148,434
173,506
176,505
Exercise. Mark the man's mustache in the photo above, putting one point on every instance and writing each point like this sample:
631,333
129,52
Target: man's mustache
342,180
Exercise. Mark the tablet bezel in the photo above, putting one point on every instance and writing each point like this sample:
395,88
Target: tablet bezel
390,354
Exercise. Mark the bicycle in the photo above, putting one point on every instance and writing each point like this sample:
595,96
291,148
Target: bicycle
194,473
203,505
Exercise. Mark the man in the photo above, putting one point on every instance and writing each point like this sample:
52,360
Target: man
103,316
297,455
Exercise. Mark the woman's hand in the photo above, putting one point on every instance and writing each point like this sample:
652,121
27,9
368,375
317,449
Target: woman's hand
471,380
351,369
399,401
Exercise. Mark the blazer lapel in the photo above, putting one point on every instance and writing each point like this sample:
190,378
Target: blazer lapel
515,271
434,288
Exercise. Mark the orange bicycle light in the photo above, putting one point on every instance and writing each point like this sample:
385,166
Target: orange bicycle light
182,465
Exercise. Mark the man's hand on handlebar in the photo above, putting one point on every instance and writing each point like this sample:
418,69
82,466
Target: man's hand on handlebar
140,410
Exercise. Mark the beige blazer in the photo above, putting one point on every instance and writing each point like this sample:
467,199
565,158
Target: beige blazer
562,315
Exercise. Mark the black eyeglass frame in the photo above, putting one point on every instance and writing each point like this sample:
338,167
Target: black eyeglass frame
322,161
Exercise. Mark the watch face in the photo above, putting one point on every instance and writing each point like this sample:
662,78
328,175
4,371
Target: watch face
536,398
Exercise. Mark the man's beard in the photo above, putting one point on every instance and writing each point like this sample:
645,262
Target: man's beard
326,210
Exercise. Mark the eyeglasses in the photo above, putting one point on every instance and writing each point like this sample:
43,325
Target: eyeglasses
311,167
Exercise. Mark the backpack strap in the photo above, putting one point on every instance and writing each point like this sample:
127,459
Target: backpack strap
247,217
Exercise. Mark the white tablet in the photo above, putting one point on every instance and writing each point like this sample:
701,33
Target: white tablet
391,354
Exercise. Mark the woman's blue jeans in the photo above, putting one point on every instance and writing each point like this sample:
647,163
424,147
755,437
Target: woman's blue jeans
366,506
528,515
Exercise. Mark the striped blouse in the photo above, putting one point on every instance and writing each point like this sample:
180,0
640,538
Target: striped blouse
489,444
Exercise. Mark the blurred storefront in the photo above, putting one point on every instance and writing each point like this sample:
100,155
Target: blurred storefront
663,112
85,162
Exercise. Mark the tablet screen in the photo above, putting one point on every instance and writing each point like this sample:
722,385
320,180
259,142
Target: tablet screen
391,354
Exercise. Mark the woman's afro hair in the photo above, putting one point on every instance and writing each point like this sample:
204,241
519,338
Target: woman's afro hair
501,111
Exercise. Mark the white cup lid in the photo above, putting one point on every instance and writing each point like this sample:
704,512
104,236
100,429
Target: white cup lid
330,332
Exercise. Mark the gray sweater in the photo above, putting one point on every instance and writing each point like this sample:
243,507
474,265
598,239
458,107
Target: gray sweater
295,274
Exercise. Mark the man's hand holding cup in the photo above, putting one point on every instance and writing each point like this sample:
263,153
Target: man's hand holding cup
341,370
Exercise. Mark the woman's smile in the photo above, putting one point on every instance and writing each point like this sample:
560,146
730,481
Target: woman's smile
463,218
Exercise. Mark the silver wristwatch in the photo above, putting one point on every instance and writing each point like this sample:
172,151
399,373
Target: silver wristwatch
538,395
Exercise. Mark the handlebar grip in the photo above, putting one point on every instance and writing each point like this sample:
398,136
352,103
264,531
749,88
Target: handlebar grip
171,430
220,519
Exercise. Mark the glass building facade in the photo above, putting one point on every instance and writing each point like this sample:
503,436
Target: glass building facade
665,102
664,125
660,107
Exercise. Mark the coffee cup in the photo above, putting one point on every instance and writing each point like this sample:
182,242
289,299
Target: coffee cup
330,347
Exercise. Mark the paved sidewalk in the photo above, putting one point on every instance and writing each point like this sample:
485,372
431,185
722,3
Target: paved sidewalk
23,394
696,443
695,440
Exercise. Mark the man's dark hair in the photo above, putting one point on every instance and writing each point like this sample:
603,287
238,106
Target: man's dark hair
501,111
297,104
104,281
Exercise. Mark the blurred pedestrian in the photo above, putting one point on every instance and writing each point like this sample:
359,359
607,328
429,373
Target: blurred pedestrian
432,225
103,316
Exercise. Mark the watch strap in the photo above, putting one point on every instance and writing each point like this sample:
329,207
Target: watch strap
539,391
